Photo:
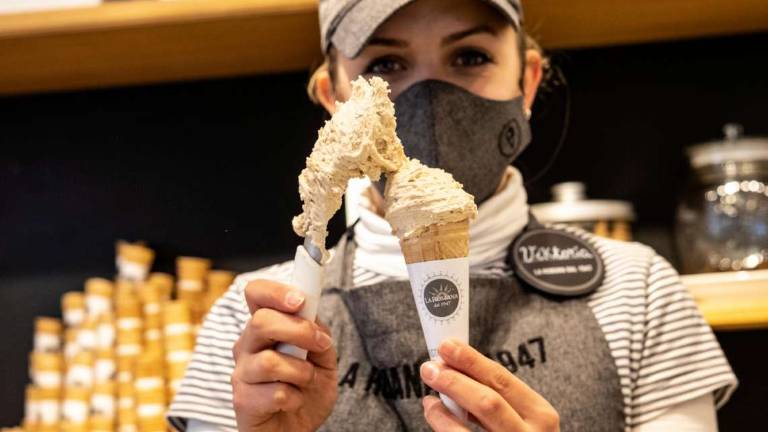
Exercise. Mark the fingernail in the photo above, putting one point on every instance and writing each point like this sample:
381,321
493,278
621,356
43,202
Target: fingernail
449,348
429,371
323,340
294,298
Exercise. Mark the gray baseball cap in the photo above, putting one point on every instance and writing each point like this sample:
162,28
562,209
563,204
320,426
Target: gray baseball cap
349,24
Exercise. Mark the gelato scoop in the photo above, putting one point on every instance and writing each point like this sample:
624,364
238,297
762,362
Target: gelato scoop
419,197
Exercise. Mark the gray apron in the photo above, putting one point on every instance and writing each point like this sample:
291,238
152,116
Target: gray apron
553,344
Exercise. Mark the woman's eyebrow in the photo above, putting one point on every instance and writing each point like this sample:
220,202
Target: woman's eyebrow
454,37
451,38
388,42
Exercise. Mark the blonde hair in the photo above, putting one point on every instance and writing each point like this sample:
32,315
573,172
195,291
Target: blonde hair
527,42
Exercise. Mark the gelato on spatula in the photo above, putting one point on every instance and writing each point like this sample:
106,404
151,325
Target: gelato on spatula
359,140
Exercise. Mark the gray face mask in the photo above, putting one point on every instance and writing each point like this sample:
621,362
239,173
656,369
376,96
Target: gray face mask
473,138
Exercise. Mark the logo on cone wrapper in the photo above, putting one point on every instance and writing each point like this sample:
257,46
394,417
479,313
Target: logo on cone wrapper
441,297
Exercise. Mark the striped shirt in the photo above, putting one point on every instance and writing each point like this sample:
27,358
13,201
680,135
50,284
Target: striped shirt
664,352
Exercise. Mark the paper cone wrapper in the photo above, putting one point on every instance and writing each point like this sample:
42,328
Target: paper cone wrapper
438,269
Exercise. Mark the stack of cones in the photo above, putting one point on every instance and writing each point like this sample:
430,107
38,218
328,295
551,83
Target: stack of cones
134,261
71,346
73,308
80,371
104,366
129,326
192,273
46,369
31,411
151,299
49,414
150,393
103,404
75,409
47,335
164,284
98,297
126,396
218,283
179,342
116,360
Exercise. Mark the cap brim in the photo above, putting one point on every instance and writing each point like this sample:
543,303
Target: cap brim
361,22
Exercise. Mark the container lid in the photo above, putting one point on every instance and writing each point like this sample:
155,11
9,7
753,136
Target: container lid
570,205
733,148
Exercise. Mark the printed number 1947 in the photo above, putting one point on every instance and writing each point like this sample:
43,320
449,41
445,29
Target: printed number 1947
513,361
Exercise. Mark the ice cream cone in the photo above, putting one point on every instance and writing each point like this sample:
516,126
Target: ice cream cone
438,269
437,242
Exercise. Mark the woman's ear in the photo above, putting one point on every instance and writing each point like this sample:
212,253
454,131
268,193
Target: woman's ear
534,64
324,91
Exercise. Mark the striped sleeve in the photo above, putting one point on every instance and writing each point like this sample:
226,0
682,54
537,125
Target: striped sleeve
205,393
680,359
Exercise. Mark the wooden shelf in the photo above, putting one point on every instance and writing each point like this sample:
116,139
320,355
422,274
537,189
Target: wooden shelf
148,41
139,41
731,301
590,23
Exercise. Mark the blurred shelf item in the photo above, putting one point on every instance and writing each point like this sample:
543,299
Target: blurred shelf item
140,41
16,6
732,300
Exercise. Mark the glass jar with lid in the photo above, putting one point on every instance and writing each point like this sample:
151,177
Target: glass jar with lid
722,219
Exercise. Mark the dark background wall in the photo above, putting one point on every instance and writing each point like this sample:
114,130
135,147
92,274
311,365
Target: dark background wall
209,169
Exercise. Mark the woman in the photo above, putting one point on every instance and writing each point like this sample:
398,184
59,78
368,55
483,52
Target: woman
632,352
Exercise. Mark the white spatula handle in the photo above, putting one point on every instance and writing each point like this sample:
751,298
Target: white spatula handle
308,278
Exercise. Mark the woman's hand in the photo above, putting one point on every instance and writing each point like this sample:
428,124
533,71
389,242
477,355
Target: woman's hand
274,391
497,399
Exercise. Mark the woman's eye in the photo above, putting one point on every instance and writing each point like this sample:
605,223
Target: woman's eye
384,66
471,58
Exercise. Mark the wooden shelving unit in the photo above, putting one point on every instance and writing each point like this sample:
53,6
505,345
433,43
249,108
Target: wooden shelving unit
731,301
141,41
